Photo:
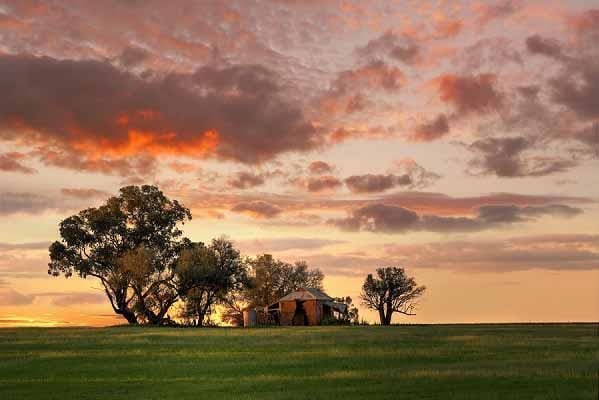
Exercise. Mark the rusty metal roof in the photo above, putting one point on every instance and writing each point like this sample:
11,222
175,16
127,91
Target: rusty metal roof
306,294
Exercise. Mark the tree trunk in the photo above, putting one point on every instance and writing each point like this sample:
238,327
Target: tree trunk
128,315
388,317
382,316
389,313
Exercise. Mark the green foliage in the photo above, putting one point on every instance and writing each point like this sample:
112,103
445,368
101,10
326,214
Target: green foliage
391,291
205,275
273,279
107,241
351,315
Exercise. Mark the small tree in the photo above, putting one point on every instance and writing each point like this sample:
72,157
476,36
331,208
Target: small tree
391,291
351,315
269,280
234,303
205,274
273,279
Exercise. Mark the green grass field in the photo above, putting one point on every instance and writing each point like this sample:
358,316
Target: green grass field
399,362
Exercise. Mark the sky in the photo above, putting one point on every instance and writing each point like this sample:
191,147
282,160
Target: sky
459,140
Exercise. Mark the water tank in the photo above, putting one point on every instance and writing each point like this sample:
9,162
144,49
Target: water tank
250,318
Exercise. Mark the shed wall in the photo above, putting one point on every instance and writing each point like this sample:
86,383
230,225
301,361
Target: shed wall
287,309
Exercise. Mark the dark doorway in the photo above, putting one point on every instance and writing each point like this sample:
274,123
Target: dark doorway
300,318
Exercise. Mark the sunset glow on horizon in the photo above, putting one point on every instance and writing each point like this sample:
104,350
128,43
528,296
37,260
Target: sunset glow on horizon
456,139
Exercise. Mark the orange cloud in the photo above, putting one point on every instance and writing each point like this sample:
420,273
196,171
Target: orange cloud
154,143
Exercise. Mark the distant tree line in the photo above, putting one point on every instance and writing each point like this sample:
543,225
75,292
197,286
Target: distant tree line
134,247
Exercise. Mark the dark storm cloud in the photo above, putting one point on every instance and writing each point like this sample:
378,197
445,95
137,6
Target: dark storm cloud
383,218
84,109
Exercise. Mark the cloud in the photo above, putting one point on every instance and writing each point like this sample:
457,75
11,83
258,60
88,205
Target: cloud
23,262
431,130
140,165
470,94
559,252
28,203
24,246
10,297
345,94
257,209
442,204
490,11
420,177
304,205
585,22
537,44
90,112
375,75
590,136
446,28
391,45
12,162
548,252
503,157
487,53
132,56
246,180
284,244
383,218
322,183
577,88
181,167
320,167
370,183
74,299
343,134
60,299
34,203
84,193
379,218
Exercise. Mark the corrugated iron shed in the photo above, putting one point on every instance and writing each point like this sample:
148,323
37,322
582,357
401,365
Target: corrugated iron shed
306,294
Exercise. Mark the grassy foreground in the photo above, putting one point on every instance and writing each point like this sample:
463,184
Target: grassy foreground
407,362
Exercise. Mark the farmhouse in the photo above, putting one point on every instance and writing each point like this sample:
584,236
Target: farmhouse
306,306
